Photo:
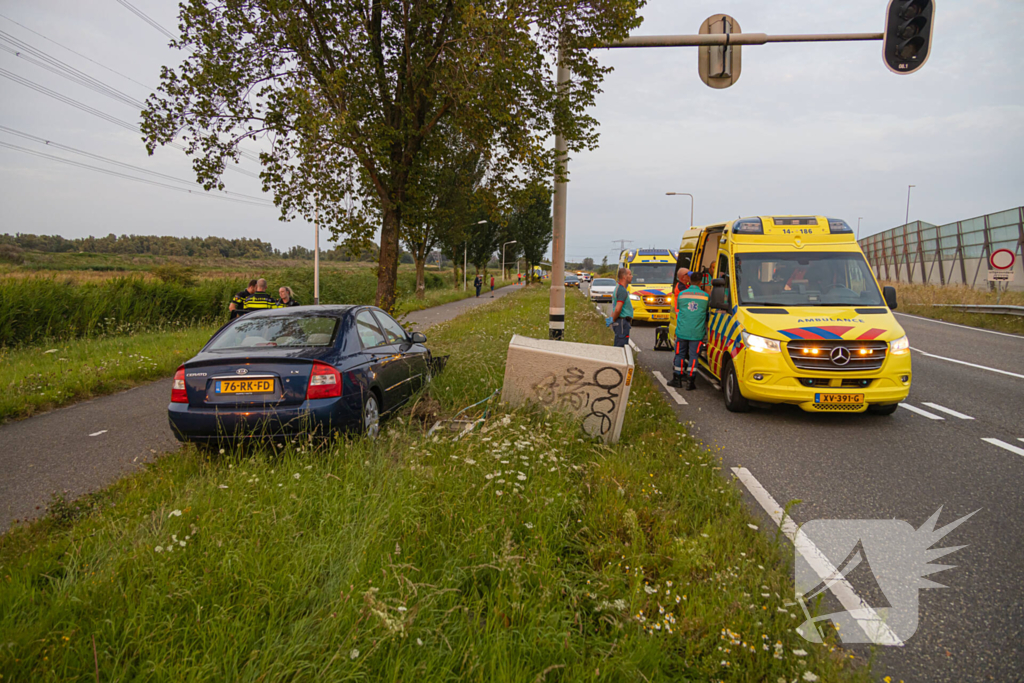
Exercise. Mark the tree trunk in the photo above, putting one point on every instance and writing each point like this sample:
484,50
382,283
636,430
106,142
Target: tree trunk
387,267
421,280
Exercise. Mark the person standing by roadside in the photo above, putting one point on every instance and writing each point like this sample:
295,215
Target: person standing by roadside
238,300
287,298
478,282
492,283
259,299
691,321
621,320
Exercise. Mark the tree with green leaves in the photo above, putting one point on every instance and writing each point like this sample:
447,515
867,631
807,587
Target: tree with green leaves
530,225
347,93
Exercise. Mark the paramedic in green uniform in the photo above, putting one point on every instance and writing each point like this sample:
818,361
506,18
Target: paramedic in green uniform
622,310
691,321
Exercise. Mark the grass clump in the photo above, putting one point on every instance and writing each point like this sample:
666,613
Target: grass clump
522,552
918,299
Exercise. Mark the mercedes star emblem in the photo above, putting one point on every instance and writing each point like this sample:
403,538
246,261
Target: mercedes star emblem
242,371
840,355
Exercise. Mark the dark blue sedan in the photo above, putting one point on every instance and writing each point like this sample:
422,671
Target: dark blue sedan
300,370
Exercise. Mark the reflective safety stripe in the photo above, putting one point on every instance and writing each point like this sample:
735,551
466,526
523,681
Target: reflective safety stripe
556,325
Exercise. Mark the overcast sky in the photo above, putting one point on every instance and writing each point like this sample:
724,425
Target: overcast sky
809,128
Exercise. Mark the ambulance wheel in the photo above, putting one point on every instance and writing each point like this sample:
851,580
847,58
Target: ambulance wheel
734,401
878,409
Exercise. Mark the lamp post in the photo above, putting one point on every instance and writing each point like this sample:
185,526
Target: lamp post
859,219
686,194
907,219
503,258
465,255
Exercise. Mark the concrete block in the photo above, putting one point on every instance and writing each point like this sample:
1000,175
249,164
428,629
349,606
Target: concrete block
587,380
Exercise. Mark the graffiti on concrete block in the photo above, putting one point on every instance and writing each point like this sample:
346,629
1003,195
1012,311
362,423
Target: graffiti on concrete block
594,397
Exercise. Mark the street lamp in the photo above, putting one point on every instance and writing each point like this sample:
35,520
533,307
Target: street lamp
859,219
465,254
503,258
687,194
907,219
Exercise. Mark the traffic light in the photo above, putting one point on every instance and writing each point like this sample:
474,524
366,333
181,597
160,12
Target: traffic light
908,34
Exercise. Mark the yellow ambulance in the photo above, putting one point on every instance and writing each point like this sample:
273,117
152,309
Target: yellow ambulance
796,316
653,276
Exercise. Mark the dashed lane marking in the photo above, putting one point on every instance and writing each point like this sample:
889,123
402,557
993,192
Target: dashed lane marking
948,411
671,390
635,347
925,413
1006,446
876,630
971,365
102,431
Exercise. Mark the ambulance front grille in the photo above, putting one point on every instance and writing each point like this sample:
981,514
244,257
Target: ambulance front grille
816,354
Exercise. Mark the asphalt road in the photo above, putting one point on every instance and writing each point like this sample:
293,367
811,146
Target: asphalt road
89,445
906,466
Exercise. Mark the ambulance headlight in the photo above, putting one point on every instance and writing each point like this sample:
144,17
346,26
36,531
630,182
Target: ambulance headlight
899,346
634,297
760,344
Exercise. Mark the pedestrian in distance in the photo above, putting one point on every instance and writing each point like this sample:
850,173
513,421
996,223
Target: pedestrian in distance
691,324
621,320
287,298
259,299
478,282
492,283
238,300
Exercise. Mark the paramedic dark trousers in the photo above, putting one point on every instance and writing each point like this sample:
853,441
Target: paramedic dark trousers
621,328
685,362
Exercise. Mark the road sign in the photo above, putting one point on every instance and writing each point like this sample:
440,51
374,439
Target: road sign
1000,276
1001,259
719,65
908,34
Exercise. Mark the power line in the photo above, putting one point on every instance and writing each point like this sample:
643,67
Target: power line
146,18
118,174
61,45
122,164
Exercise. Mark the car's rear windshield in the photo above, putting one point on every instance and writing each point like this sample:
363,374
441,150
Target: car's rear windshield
571,278
604,282
278,330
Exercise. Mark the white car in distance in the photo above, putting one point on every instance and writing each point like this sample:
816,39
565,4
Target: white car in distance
602,289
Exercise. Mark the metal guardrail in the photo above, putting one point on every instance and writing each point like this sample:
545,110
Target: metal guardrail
997,310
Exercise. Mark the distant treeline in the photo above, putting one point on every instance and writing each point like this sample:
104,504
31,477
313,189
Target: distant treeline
201,247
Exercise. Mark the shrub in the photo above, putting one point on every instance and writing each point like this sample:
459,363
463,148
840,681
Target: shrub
10,253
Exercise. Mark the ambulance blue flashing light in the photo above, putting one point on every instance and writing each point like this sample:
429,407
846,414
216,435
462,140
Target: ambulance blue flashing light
748,226
837,226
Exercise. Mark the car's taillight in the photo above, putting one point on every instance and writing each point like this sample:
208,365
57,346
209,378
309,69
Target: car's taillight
324,382
178,394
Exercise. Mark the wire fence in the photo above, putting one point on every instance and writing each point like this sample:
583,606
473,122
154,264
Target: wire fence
955,253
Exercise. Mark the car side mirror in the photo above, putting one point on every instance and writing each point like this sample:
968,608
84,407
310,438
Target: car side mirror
419,338
889,294
719,295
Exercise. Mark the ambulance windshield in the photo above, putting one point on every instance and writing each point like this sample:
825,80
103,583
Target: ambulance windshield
653,273
805,279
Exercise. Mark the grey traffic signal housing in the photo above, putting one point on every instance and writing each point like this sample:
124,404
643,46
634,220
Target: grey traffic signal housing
908,34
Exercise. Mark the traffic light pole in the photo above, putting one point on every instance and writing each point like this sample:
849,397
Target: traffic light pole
556,312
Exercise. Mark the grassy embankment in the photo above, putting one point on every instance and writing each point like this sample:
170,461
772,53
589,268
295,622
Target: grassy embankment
521,553
62,342
917,299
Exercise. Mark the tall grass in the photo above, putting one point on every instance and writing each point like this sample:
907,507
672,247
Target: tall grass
921,299
525,552
39,308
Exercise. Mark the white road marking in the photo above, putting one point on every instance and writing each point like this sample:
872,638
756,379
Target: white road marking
966,327
102,431
635,348
948,411
866,617
1006,446
973,365
925,413
671,390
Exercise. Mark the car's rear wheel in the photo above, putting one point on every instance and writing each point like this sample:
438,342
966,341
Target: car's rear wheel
371,415
734,400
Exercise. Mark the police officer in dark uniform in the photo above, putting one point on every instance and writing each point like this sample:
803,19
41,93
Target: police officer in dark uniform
238,300
260,300
287,297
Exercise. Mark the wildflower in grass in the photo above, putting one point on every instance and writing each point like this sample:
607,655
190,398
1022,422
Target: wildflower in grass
529,525
753,526
222,486
297,475
354,654
174,513
419,642
181,543
499,493
402,608
800,653
809,677
521,477
222,451
159,549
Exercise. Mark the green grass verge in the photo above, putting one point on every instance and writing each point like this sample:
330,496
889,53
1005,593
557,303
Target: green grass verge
522,553
917,299
43,377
